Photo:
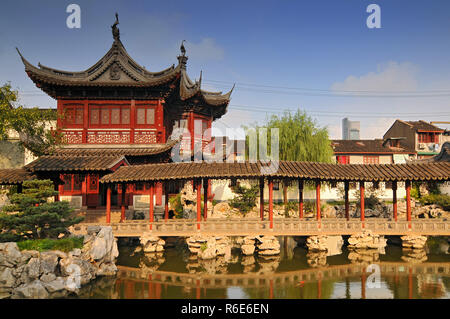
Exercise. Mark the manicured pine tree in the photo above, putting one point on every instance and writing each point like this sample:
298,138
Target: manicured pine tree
32,216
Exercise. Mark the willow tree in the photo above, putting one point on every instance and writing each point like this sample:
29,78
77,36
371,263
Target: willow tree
300,139
31,124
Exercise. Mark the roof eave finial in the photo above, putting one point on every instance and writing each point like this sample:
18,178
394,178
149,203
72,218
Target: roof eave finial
182,48
115,29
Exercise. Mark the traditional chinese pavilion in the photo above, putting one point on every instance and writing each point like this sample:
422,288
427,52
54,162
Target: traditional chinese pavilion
117,113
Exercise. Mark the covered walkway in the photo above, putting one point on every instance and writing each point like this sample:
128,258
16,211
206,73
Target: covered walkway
288,172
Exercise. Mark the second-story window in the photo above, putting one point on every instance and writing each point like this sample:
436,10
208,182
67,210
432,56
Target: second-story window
73,116
106,116
145,116
371,159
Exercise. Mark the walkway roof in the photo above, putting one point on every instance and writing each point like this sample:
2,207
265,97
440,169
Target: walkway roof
305,170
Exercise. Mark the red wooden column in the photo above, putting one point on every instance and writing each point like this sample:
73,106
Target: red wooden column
394,199
261,198
408,202
361,194
271,202
318,200
166,200
300,198
205,199
122,210
198,186
151,194
347,204
108,204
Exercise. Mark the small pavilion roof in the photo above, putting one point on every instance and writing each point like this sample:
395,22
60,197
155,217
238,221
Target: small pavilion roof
74,163
113,150
287,169
12,176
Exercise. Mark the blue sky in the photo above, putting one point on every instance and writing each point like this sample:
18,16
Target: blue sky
316,55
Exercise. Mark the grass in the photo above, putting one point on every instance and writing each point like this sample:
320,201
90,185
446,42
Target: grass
65,244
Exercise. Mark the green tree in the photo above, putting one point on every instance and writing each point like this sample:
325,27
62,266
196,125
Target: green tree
32,124
300,139
245,198
31,215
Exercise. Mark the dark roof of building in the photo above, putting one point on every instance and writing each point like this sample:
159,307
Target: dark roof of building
286,169
423,126
74,163
376,146
92,150
9,176
443,156
117,69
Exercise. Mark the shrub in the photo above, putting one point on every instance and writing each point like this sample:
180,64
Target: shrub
245,198
175,203
32,216
438,199
65,244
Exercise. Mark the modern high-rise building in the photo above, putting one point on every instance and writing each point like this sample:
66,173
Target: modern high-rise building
350,129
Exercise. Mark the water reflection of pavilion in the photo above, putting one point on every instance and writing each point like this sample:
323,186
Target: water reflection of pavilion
392,272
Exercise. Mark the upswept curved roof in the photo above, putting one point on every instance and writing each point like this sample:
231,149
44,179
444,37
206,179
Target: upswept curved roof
117,69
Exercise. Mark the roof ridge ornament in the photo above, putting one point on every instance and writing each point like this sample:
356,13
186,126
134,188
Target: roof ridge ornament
182,48
115,29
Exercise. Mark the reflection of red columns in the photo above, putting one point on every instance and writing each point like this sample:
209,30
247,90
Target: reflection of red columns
271,202
205,199
271,289
122,211
319,288
151,193
318,200
129,291
408,202
347,205
166,200
361,206
197,289
394,199
363,284
410,284
261,198
198,186
108,204
158,290
300,198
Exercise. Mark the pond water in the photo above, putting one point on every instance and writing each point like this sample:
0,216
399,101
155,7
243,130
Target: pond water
294,274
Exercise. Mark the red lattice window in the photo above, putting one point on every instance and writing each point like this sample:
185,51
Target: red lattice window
73,116
109,116
72,183
371,159
343,159
145,115
93,183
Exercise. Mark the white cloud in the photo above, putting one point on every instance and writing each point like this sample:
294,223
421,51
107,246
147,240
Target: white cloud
391,76
206,49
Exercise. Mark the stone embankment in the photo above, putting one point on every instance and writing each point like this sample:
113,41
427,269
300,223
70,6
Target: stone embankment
51,274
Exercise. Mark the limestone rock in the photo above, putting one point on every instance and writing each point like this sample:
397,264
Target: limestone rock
34,290
248,250
366,240
416,242
267,245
